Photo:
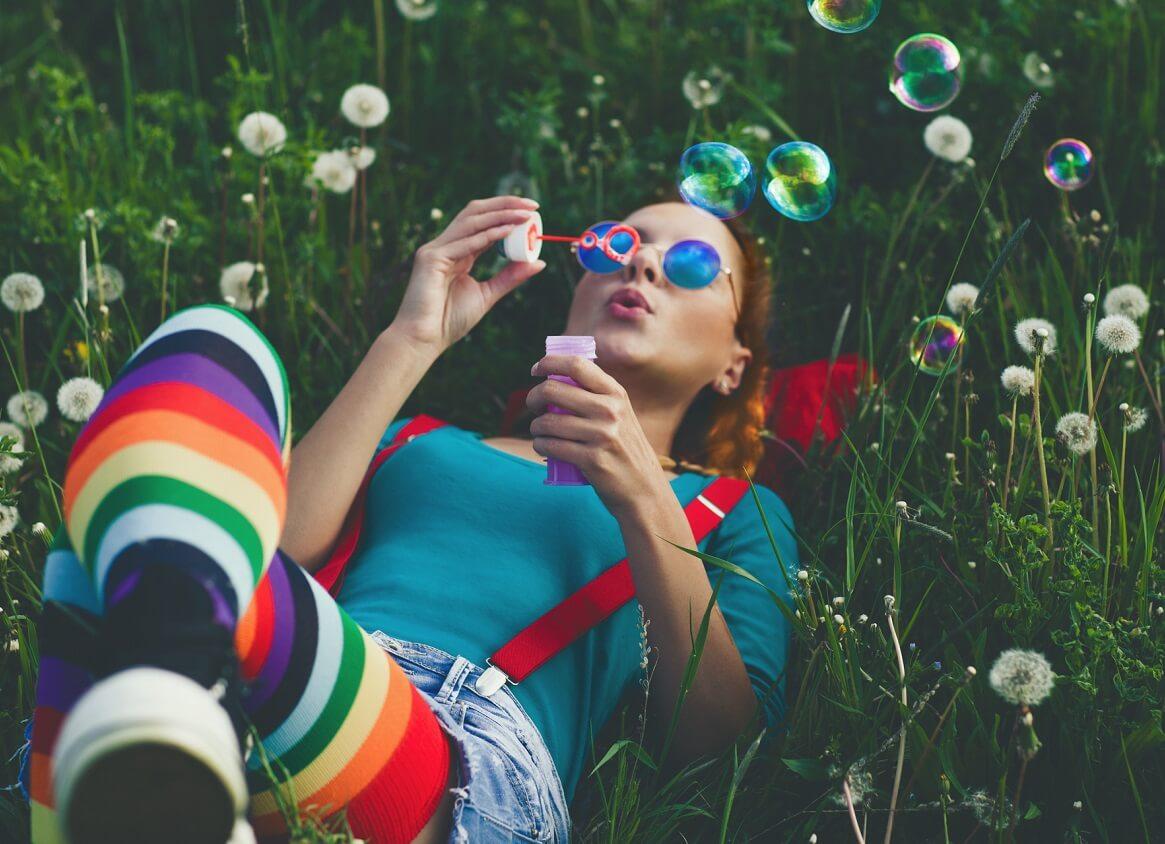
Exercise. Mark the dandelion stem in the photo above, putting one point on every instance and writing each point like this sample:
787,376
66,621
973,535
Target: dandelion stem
1039,431
1015,800
902,734
933,737
259,210
363,218
21,357
849,805
1099,386
222,220
351,239
900,223
165,274
1010,451
1089,331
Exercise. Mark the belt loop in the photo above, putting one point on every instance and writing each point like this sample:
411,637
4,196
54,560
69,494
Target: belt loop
454,680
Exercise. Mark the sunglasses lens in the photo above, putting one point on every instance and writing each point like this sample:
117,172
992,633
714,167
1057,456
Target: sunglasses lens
691,264
590,251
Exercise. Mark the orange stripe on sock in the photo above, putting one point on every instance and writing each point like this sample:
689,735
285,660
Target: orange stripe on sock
264,629
40,778
181,429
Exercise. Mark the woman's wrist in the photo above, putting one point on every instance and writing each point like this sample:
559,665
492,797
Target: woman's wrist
405,346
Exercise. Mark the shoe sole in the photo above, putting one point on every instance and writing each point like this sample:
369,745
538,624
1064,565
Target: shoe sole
148,755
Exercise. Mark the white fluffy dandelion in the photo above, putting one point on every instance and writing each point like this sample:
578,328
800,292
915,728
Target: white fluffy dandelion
1018,380
112,282
334,170
961,298
9,519
165,230
28,408
517,183
948,138
365,106
262,133
78,398
8,462
1135,418
21,292
235,284
1022,677
362,157
1118,335
417,10
704,89
1029,340
1038,72
1126,299
761,133
1078,432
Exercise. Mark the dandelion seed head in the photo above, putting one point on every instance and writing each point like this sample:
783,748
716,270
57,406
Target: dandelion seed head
704,89
863,618
235,284
8,462
1135,419
517,183
417,10
1089,299
79,397
1029,339
1118,335
599,80
262,133
9,518
40,529
335,170
837,602
248,198
948,138
436,214
1018,380
1022,677
165,230
21,292
112,282
362,157
365,106
761,133
1128,300
961,298
838,619
1038,72
227,152
27,408
802,575
1078,432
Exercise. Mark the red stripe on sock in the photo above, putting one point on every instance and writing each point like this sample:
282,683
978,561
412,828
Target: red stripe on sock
264,630
403,796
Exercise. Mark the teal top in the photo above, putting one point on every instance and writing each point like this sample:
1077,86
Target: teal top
463,546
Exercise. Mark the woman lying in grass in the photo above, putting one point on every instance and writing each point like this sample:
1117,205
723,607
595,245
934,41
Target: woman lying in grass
192,527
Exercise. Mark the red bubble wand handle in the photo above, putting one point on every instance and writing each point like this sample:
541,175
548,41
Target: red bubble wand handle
590,240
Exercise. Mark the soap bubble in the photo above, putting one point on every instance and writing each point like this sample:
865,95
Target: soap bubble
590,250
718,178
934,343
928,72
845,16
1068,164
800,181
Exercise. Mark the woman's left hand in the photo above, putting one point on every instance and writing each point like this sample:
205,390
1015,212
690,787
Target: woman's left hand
604,437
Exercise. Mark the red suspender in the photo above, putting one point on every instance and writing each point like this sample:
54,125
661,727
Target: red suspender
561,625
331,574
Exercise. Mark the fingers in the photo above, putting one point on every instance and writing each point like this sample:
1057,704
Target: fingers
473,245
586,373
474,223
509,277
494,203
568,397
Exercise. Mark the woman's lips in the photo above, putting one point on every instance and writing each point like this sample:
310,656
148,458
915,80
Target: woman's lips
623,312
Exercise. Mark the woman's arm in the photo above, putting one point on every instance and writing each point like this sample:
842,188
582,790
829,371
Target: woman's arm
329,462
673,588
441,304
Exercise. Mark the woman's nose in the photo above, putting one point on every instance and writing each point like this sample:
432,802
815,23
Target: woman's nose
645,262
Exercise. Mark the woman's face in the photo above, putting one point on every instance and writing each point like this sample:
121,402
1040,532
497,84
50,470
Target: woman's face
687,340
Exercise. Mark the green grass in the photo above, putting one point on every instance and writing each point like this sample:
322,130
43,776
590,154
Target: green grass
125,107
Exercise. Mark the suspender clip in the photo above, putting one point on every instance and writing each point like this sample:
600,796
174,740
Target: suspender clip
492,679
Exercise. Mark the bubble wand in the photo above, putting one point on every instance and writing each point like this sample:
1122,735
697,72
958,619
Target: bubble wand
525,244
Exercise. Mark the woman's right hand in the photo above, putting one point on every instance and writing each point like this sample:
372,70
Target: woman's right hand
443,302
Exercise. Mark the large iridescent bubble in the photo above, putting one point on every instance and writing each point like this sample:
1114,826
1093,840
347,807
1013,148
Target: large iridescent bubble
800,181
718,178
1068,164
935,341
927,73
844,16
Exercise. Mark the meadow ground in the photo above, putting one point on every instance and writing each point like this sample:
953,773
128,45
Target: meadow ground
965,515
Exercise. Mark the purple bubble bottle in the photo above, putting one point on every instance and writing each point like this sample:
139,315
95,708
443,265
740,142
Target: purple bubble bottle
560,472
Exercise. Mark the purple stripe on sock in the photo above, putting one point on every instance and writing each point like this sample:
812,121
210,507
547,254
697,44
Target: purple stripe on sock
223,613
124,588
201,372
60,683
282,638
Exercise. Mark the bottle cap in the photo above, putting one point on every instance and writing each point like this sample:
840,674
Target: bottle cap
571,344
524,243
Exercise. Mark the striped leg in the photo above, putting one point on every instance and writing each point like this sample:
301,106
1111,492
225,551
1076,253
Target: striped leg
175,496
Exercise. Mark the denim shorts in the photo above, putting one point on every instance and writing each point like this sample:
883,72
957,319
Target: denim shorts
508,788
